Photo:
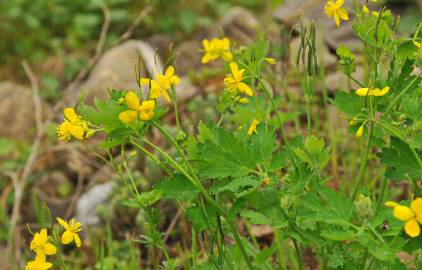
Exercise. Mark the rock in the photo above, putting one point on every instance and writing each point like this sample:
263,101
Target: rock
291,11
188,56
86,207
17,111
238,24
116,70
161,43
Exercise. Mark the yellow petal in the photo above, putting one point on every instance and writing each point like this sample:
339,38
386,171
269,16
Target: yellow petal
132,100
362,92
70,115
416,206
67,237
50,249
342,13
63,223
417,44
128,116
391,204
234,69
77,240
412,228
175,80
244,88
144,81
169,71
337,19
43,236
227,56
384,91
77,131
206,58
402,213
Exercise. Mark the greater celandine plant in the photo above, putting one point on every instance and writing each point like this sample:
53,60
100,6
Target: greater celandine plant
220,175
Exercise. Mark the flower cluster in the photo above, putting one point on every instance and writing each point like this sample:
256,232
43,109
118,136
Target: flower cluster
144,110
336,10
412,216
216,48
42,247
162,84
73,126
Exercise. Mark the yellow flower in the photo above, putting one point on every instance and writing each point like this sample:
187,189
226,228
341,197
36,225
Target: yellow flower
252,127
335,10
233,81
376,92
41,246
417,44
72,125
359,133
411,215
38,264
159,87
216,48
71,231
144,111
170,76
270,61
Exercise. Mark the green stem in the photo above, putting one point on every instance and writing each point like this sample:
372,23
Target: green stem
197,184
355,80
239,243
178,149
382,193
194,253
308,115
298,256
150,155
363,164
397,98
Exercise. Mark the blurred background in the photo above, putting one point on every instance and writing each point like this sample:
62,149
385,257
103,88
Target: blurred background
50,51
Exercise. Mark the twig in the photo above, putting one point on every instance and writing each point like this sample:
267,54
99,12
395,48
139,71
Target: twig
101,44
128,33
172,224
19,183
98,51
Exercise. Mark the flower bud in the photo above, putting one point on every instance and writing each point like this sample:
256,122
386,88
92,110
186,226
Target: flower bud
359,133
363,206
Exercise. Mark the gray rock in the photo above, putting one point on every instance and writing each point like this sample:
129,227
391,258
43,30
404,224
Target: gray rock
86,207
116,70
238,24
17,111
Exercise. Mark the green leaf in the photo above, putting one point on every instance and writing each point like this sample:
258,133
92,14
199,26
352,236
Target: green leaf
177,187
313,145
105,113
338,235
202,218
239,186
300,153
349,103
263,256
255,217
401,161
227,156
